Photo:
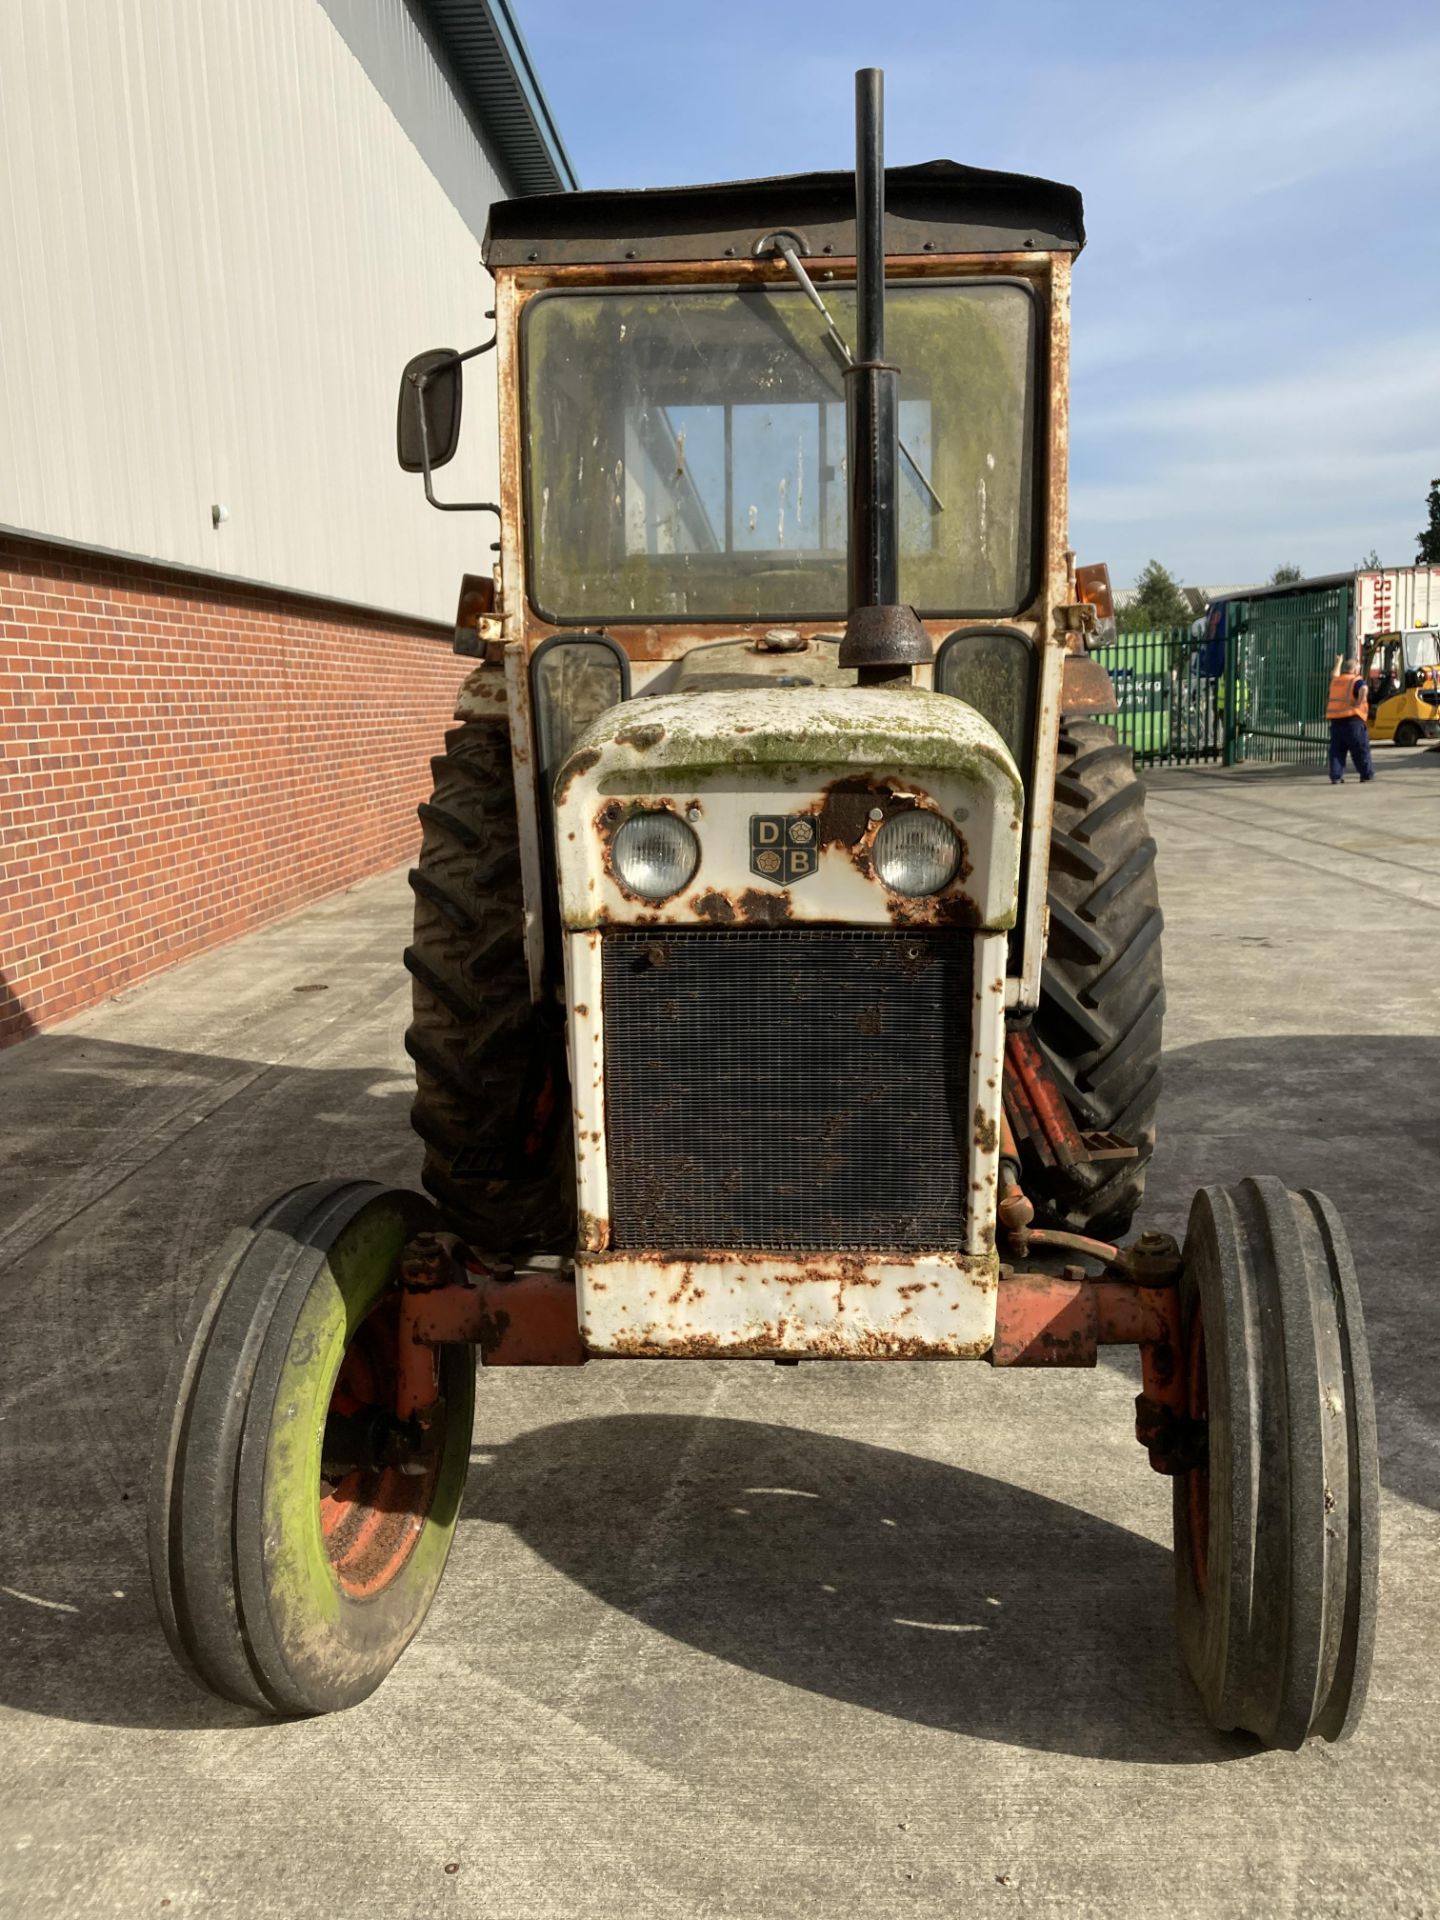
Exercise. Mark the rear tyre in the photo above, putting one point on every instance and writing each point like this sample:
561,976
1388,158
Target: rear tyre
292,1561
492,1101
1102,999
1276,1535
1407,734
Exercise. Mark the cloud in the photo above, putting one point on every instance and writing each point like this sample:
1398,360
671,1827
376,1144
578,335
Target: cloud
1347,400
1193,157
1263,380
1313,464
1257,315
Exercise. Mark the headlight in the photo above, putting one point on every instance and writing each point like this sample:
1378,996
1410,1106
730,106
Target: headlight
654,854
916,852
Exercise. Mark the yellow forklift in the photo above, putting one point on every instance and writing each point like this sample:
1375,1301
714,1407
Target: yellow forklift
1403,674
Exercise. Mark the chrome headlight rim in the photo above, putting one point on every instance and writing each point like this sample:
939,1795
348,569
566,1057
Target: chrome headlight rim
945,852
628,854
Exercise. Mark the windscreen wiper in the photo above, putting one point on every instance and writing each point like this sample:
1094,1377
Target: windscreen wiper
784,245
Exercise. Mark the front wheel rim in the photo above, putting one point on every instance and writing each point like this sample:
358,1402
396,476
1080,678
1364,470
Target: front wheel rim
1197,1480
373,1511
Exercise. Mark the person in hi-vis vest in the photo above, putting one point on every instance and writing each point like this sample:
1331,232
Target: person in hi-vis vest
1345,710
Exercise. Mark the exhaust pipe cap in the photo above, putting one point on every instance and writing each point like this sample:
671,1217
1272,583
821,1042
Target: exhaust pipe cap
886,641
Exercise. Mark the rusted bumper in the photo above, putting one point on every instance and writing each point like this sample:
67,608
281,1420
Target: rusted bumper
821,1307
828,1306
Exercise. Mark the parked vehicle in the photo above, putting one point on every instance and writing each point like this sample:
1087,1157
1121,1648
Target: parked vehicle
787,950
1403,671
1395,600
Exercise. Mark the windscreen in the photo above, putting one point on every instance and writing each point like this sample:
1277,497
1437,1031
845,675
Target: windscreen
686,452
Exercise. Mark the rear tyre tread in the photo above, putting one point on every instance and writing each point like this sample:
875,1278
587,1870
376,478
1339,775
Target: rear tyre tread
1130,795
432,816
452,909
1106,753
462,1008
1094,947
1129,870
486,1061
1102,984
1105,984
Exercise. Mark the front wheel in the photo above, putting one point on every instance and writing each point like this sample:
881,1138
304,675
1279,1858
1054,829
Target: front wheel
297,1531
1407,734
1276,1525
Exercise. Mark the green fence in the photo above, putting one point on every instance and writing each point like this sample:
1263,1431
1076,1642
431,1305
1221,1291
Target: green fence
1255,689
1172,691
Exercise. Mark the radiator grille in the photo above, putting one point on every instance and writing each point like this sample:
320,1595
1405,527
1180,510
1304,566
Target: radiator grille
787,1090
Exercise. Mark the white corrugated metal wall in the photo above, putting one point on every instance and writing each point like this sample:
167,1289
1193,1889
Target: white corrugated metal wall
220,248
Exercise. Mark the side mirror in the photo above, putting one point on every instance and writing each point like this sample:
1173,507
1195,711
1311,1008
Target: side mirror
427,422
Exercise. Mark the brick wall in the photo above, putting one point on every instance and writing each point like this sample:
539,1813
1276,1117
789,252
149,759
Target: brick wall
181,760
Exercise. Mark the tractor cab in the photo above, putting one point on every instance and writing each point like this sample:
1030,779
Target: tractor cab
676,473
783,627
1403,674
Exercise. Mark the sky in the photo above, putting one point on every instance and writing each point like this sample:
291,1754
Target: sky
1256,348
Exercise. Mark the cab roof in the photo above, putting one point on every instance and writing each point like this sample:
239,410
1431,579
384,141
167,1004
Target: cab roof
936,207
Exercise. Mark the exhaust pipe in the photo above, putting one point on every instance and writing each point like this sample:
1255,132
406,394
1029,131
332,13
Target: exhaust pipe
883,639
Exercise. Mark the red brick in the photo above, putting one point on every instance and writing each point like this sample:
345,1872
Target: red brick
211,757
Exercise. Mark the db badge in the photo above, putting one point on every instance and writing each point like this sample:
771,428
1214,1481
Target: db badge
782,846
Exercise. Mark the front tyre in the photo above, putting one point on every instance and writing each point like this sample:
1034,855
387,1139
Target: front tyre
1277,1523
294,1547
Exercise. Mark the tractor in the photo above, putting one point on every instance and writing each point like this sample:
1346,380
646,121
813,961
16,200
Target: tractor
786,966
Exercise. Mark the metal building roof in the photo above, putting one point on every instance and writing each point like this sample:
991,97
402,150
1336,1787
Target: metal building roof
492,64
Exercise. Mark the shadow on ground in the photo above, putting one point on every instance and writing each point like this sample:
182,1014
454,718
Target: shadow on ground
15,1022
1028,1621
869,1575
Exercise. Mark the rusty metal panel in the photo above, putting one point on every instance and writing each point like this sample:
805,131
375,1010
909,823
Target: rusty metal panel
527,808
835,764
1059,564
1086,687
981,1149
586,1038
711,1304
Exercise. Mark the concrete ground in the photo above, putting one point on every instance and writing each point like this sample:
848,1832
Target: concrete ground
727,1640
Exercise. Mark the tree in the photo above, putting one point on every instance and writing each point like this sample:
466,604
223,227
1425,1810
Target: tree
1286,576
1427,541
1158,602
1370,563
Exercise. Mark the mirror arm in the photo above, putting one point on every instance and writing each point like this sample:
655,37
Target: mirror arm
423,381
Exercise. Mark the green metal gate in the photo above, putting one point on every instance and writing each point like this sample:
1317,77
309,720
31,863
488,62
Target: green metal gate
1172,689
1253,687
1284,648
